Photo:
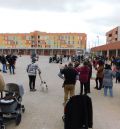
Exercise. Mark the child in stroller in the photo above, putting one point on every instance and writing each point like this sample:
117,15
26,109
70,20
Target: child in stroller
78,113
10,104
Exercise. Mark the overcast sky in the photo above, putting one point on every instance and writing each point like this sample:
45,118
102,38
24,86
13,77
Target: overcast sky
93,17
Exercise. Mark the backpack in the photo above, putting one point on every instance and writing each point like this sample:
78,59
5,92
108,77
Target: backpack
31,69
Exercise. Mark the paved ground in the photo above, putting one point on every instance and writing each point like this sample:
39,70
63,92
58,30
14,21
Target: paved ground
44,110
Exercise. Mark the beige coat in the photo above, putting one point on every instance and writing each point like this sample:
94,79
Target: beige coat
100,71
2,83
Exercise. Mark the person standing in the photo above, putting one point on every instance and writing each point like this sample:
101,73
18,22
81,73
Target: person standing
99,75
117,74
32,72
69,81
11,61
3,61
8,56
107,80
83,77
2,85
90,75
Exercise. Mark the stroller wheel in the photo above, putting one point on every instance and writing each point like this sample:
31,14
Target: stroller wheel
18,119
23,108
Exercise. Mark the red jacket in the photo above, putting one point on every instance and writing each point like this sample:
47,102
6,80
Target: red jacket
84,73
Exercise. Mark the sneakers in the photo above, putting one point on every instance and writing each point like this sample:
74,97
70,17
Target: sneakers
32,89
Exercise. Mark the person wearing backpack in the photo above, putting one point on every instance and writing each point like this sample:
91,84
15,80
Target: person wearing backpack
32,72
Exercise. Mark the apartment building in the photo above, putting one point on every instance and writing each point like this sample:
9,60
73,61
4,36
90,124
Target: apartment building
112,45
42,41
113,35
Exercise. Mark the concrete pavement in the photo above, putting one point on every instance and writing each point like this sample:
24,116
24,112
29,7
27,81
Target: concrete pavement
44,110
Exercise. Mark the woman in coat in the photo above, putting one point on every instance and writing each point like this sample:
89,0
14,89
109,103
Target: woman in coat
108,80
99,75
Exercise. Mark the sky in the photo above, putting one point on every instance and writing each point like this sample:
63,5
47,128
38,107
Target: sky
93,17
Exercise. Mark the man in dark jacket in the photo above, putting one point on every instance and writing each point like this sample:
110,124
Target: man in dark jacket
11,61
69,81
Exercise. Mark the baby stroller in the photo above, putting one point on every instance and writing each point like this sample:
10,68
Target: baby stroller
10,104
78,113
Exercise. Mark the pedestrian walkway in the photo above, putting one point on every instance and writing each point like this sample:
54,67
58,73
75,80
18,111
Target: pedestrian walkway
44,110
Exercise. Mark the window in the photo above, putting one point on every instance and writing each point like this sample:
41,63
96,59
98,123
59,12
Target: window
116,32
32,37
27,38
68,37
110,35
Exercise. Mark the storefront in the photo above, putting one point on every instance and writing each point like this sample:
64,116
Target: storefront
46,51
110,49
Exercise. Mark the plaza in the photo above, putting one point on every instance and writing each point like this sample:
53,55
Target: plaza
44,109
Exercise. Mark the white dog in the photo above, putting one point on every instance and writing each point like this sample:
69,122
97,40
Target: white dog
44,86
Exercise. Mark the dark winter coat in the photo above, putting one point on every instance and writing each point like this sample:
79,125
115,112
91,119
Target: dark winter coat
78,112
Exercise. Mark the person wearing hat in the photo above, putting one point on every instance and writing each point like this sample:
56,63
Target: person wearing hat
32,72
108,80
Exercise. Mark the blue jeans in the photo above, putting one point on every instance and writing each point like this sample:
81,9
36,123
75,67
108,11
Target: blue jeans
12,67
110,90
4,67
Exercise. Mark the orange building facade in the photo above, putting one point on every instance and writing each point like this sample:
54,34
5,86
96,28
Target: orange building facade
42,41
112,46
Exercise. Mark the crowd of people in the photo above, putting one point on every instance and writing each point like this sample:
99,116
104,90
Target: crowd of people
63,58
79,68
105,69
8,62
73,70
